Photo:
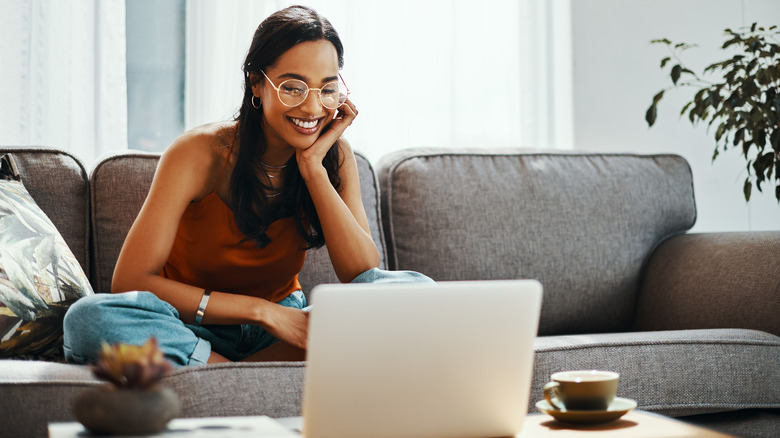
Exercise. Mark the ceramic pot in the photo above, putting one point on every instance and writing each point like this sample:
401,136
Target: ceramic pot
108,410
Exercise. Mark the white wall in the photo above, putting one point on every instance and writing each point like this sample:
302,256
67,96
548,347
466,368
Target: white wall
616,74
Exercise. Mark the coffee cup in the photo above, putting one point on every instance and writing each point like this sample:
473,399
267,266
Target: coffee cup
582,390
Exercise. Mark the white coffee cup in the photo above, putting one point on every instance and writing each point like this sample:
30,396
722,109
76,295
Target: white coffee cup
581,390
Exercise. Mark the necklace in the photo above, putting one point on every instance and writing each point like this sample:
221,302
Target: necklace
268,166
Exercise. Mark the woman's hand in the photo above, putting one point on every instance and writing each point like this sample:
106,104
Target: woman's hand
287,324
314,154
341,212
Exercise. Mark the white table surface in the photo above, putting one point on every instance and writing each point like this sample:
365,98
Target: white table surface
224,427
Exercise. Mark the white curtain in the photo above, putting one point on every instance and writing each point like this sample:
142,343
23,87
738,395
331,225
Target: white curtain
422,72
62,80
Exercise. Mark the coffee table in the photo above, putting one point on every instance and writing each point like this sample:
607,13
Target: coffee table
637,424
210,427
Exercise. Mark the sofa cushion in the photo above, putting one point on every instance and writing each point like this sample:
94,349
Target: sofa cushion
58,182
118,187
46,391
753,423
120,183
580,223
39,275
236,389
37,392
712,280
676,373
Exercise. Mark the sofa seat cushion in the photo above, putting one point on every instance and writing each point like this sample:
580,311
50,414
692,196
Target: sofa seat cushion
229,389
675,373
43,392
35,393
581,223
753,423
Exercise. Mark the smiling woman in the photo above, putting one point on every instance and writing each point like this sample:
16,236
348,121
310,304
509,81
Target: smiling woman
218,244
293,101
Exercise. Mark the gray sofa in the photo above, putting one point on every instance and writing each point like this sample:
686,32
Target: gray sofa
689,320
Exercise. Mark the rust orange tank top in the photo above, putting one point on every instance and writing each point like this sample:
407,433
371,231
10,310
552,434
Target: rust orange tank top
210,252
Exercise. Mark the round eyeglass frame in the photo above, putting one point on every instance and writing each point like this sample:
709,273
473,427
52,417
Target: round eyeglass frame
308,89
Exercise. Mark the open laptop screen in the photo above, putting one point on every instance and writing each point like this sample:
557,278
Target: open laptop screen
420,360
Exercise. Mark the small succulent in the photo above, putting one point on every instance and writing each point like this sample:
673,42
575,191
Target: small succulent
132,366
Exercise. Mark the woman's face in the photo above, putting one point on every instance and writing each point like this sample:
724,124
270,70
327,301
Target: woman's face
316,64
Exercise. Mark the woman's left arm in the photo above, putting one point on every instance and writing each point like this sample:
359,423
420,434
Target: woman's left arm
341,213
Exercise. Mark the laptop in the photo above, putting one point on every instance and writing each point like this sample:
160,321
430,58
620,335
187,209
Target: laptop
417,360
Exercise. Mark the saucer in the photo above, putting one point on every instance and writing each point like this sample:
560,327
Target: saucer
618,408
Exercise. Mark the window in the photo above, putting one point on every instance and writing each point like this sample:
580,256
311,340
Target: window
155,73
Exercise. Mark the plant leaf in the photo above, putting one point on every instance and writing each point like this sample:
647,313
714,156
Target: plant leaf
739,136
746,147
676,71
736,39
657,97
651,115
747,189
685,108
760,138
774,139
719,132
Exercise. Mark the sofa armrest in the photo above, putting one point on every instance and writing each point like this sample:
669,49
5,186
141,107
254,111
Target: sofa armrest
712,280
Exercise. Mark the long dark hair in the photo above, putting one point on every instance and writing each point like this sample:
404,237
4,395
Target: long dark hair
275,35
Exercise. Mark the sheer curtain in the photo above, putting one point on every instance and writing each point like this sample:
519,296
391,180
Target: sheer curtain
62,81
422,73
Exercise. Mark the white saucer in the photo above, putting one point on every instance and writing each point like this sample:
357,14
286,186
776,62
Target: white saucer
618,408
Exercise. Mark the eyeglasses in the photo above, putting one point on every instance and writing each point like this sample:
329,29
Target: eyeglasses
294,92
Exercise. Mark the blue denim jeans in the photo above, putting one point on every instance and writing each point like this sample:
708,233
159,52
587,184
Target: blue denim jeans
134,317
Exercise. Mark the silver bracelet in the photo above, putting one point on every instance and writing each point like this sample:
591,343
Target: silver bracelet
204,301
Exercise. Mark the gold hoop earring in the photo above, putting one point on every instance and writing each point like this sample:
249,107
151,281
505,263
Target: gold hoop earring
256,105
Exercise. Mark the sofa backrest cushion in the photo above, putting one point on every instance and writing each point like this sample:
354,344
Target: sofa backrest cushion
119,185
581,223
39,275
58,183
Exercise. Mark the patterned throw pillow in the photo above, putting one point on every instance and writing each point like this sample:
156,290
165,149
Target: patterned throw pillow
39,275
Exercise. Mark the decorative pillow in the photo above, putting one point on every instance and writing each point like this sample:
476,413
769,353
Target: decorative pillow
39,275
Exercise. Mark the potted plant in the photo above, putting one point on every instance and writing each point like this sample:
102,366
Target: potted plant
132,403
739,95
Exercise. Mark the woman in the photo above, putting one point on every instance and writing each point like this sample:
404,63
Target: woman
232,209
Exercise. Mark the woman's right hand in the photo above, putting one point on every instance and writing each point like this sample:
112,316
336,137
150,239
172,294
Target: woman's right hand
287,324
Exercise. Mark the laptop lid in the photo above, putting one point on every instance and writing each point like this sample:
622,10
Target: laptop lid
450,359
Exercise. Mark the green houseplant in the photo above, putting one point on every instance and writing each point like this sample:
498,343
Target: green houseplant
739,95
